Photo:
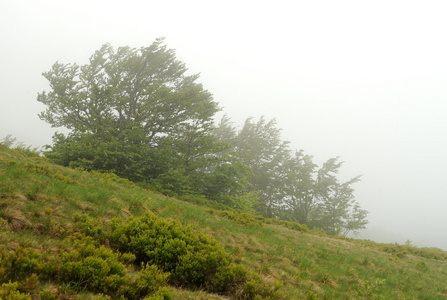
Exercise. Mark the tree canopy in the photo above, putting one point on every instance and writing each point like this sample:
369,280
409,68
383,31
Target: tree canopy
135,112
125,103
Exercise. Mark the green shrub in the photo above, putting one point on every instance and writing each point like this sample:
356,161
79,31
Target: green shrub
161,294
311,295
9,291
38,168
397,250
229,278
190,258
90,227
193,260
97,269
422,266
148,281
256,289
45,170
19,264
47,295
370,289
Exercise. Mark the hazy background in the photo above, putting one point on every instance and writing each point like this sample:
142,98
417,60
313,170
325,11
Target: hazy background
363,80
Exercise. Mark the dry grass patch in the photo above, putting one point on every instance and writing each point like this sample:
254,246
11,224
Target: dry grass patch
16,220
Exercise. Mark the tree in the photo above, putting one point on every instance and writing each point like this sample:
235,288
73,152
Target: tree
225,177
259,146
357,220
300,186
126,109
336,212
226,133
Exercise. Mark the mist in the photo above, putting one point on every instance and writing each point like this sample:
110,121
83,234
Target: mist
363,81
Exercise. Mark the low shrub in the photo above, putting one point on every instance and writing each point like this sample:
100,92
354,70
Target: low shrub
166,251
149,281
161,294
19,264
10,291
109,177
45,170
95,268
47,295
90,227
192,259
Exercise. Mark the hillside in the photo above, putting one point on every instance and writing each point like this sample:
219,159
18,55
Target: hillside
42,218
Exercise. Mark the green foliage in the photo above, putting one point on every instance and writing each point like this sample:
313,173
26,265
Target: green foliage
91,227
147,282
162,294
8,141
45,170
311,295
299,186
336,212
47,295
291,187
396,250
82,265
9,291
132,112
19,264
260,148
255,289
135,113
193,260
370,289
174,182
88,266
297,260
422,266
38,169
190,258
11,142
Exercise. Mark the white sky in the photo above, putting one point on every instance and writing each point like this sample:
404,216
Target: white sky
363,80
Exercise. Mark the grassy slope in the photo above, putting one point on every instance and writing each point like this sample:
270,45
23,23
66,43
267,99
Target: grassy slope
38,198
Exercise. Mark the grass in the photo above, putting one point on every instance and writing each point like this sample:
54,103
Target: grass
39,199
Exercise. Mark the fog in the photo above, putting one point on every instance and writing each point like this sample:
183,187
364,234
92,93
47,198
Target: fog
365,81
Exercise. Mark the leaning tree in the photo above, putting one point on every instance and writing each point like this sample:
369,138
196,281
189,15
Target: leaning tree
126,109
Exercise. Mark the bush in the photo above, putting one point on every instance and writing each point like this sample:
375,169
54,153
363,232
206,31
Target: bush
192,259
160,246
161,294
10,291
90,227
47,295
20,264
229,278
98,269
148,281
